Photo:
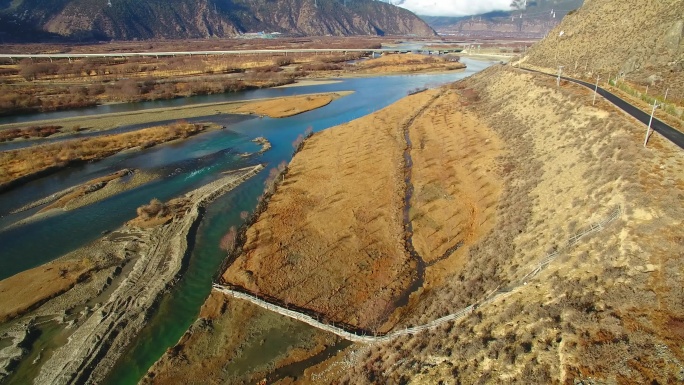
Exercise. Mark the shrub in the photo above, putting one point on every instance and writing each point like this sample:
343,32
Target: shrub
283,61
155,209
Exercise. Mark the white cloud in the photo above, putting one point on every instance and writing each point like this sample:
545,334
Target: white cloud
453,7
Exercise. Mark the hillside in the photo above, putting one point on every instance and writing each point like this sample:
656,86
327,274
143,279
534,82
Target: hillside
607,308
574,267
537,19
570,266
177,19
640,39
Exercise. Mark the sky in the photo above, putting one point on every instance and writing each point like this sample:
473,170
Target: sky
453,7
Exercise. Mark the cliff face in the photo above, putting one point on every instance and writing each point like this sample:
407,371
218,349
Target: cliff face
176,19
628,36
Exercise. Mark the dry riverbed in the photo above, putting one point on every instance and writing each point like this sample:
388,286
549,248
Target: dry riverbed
104,290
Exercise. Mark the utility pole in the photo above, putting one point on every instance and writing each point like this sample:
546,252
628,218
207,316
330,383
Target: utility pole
595,90
560,71
666,91
650,121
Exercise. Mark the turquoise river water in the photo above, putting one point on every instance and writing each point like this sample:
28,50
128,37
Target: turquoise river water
185,165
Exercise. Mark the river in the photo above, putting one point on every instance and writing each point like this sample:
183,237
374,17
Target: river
185,166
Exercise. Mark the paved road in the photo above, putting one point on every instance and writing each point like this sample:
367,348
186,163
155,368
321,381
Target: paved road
205,53
662,128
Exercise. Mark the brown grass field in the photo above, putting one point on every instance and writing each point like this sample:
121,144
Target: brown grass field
21,292
336,247
607,310
331,239
455,178
23,163
284,107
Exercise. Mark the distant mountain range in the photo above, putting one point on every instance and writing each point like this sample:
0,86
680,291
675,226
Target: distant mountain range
31,20
531,21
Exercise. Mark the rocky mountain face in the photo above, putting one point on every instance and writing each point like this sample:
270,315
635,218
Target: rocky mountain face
627,36
176,19
532,21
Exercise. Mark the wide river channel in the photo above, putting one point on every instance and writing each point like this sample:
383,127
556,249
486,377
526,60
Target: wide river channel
185,166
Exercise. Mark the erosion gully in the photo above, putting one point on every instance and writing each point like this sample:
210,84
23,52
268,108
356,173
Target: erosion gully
185,166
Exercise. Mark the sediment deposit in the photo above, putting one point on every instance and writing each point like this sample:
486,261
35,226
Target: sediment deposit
124,273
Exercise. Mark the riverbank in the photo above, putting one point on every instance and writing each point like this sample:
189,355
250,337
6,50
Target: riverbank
22,165
85,194
272,107
356,272
91,289
567,165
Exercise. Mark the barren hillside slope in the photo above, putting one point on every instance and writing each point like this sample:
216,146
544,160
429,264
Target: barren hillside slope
607,308
636,37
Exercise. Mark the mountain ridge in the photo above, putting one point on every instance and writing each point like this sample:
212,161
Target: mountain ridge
179,19
538,17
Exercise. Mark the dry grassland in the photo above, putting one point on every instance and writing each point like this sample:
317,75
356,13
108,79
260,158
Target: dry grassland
30,288
454,177
607,310
284,107
331,238
21,164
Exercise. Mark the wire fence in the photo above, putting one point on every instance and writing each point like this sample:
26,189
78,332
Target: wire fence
494,295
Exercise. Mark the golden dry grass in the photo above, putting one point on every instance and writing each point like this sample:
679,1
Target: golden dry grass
401,63
331,239
284,107
22,163
29,288
455,180
608,309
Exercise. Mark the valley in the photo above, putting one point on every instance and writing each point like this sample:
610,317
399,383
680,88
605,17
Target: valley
280,208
